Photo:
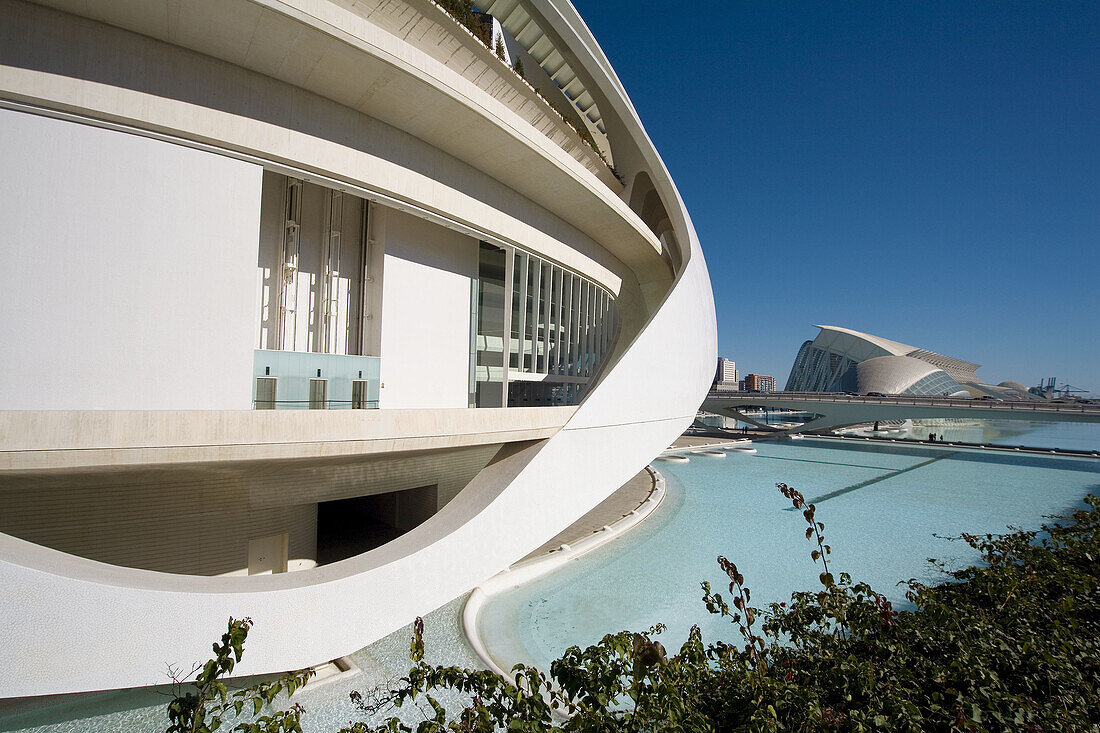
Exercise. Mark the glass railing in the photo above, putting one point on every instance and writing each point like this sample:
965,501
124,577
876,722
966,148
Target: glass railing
298,380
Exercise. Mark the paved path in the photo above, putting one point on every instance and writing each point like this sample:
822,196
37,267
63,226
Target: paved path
627,498
702,441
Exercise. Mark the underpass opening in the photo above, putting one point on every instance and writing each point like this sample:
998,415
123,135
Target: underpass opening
350,527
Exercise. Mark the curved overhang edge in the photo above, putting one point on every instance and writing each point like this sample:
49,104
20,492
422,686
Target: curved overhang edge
512,506
401,55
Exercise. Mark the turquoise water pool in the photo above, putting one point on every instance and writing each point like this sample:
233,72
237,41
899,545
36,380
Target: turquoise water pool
882,507
1038,434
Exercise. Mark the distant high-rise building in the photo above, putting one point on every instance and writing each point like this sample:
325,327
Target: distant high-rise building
725,378
759,382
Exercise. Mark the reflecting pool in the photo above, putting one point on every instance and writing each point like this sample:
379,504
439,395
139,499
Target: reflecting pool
883,507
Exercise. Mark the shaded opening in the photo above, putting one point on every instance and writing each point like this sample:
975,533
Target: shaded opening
350,527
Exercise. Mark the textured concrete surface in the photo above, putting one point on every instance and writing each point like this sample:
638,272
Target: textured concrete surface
611,509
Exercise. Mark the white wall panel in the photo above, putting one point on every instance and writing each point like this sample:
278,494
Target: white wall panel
426,312
127,271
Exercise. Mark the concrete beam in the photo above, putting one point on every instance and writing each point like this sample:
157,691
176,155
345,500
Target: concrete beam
835,410
35,440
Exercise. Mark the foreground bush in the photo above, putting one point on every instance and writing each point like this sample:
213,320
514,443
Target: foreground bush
1010,644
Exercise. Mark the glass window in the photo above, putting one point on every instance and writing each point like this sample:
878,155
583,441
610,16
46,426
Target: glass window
489,365
539,334
530,333
567,333
519,280
555,323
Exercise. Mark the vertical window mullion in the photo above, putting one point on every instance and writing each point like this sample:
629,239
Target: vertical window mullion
592,329
600,327
506,331
522,331
568,335
578,325
558,291
586,316
534,281
545,303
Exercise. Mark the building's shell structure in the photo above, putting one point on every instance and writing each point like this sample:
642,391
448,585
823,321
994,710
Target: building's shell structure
214,206
840,359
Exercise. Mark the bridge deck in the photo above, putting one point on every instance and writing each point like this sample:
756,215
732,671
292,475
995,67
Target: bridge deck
836,410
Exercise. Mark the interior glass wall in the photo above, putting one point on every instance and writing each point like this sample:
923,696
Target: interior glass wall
318,315
561,327
489,346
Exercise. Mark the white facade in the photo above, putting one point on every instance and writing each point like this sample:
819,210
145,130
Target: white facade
828,364
336,214
115,278
426,314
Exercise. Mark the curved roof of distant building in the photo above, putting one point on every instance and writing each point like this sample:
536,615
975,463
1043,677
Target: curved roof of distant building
893,347
898,375
821,363
1013,385
961,371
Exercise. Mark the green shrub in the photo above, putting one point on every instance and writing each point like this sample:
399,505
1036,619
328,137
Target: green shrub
210,703
1010,644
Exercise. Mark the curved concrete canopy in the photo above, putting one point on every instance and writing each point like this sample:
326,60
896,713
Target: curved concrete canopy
68,622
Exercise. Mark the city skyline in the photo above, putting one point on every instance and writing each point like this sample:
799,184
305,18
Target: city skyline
924,172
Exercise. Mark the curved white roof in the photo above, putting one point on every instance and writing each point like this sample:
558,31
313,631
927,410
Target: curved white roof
895,375
860,346
894,348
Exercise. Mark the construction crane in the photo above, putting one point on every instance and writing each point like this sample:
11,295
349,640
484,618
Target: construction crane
1068,390
1047,389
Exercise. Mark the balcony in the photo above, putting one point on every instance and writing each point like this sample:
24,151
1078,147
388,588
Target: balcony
299,380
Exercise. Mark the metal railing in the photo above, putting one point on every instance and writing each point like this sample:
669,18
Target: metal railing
764,398
305,405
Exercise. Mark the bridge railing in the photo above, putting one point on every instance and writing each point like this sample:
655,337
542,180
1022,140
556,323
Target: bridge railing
909,400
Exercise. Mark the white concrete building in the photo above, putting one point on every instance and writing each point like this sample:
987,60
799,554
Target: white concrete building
843,360
216,208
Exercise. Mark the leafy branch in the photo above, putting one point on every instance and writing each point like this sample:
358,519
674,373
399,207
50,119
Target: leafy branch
207,707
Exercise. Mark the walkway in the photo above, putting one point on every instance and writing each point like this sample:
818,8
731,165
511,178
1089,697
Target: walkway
835,410
627,498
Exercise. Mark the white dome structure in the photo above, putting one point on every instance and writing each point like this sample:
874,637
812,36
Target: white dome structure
899,375
821,363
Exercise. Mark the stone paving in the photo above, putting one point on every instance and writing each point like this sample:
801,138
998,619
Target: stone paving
612,509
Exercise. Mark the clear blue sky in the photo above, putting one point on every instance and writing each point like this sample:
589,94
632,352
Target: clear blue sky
924,171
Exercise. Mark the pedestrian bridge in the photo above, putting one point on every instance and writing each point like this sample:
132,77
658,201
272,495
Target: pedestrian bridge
833,410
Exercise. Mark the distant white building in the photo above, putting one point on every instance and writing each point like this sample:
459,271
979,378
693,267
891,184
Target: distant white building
843,360
726,376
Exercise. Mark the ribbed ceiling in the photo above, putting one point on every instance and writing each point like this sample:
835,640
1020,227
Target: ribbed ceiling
527,33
